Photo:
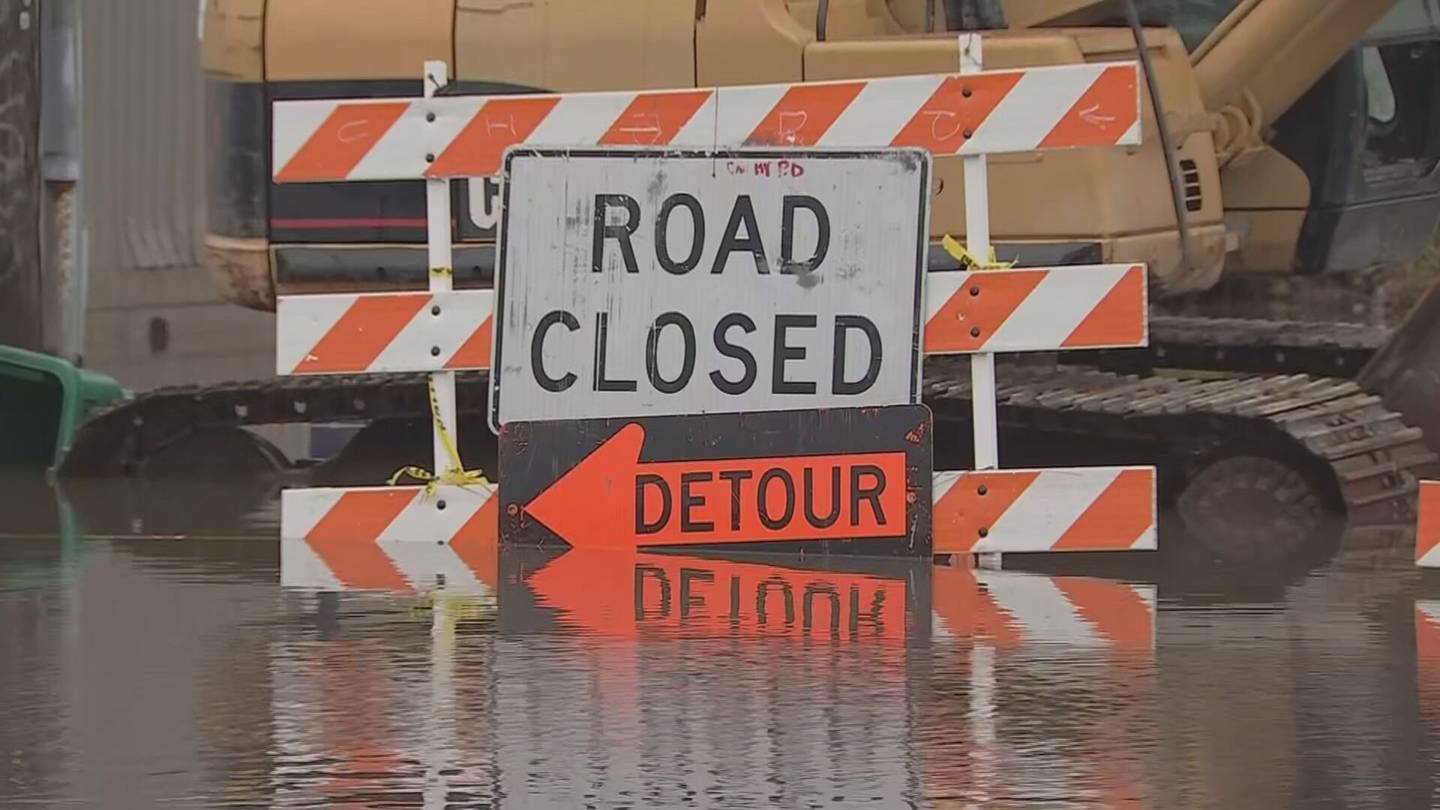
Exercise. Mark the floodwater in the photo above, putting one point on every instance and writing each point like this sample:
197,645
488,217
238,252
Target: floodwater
150,656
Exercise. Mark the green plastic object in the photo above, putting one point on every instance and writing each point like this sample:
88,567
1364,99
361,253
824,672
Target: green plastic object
43,401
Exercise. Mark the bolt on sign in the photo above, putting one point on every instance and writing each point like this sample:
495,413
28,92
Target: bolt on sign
646,282
852,480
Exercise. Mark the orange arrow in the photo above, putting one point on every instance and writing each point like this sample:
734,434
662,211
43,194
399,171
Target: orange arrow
613,500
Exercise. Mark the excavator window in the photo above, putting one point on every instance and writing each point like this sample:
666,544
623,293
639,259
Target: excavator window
1192,19
1403,104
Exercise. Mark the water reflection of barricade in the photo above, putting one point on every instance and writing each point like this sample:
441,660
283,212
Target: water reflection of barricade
621,676
1052,678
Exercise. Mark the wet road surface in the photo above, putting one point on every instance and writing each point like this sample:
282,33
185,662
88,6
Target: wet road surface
150,657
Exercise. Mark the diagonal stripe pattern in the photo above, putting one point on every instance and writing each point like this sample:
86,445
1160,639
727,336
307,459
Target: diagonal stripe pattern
466,136
383,332
1427,529
1091,307
1082,307
390,538
1078,509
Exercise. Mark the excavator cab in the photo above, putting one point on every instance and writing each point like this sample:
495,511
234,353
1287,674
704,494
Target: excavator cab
1368,137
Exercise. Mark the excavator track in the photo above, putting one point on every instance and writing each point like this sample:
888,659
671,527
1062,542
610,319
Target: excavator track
1356,453
1322,349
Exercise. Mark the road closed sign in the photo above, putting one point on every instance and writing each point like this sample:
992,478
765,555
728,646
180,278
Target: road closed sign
653,283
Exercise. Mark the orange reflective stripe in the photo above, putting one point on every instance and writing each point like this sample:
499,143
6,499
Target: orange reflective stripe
654,118
362,333
475,351
500,124
1119,318
345,538
962,512
804,114
1121,514
955,111
999,294
342,141
1105,112
477,543
1427,530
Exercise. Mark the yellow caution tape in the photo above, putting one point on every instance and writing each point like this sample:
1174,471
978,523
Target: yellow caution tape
457,475
968,260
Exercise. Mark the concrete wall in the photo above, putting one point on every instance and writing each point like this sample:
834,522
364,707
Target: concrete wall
154,317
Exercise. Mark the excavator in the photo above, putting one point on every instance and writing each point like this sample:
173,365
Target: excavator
1281,137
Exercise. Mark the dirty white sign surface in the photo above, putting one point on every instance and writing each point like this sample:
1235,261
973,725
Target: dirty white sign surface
648,282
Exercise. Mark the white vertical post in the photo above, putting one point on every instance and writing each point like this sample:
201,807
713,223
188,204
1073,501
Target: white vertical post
977,241
437,216
987,451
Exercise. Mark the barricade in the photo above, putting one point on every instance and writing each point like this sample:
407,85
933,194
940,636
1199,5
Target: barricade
980,309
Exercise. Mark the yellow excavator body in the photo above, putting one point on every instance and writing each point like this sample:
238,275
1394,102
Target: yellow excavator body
1223,199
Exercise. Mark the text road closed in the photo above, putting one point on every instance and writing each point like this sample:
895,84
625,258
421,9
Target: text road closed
636,284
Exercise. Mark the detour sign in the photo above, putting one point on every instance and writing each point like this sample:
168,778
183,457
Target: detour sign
855,479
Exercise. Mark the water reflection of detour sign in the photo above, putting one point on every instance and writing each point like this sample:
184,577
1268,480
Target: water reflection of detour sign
851,480
653,283
636,594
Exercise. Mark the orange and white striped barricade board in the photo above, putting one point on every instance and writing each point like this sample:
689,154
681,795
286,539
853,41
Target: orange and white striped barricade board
376,537
1427,527
1035,309
466,136
1076,509
398,539
383,332
1427,660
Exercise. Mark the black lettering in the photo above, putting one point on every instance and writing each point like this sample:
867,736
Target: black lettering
602,336
829,520
537,350
807,606
642,481
742,214
843,324
652,353
762,489
620,233
689,502
762,596
735,477
642,573
734,352
787,233
734,601
784,353
662,234
687,576
875,618
872,494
